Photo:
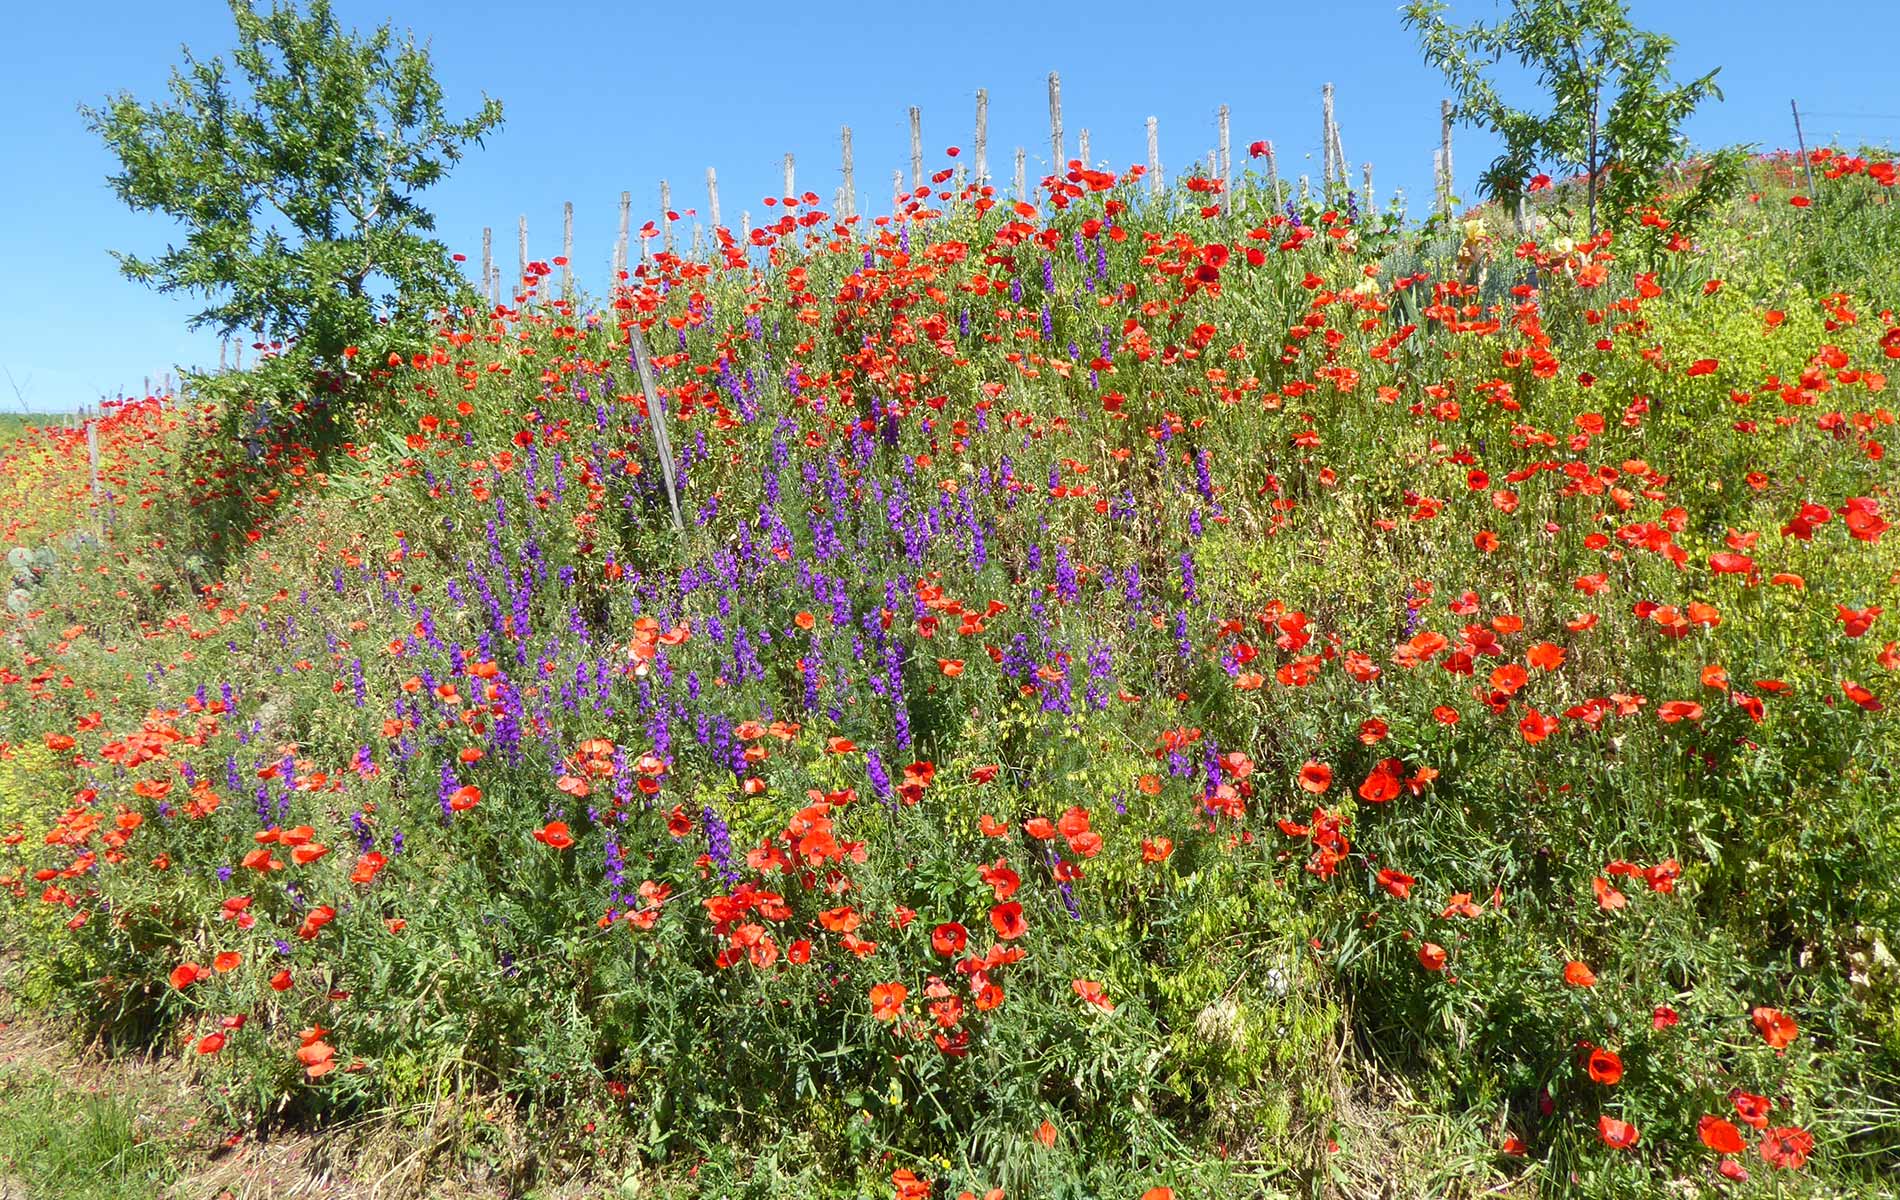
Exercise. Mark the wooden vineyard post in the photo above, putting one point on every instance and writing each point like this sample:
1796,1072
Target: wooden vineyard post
1365,202
1226,167
523,242
790,178
848,190
567,251
101,500
1801,144
620,243
916,147
1082,147
1273,175
1439,191
982,147
1022,182
1444,149
1154,157
712,197
1055,123
488,263
1327,172
656,420
666,216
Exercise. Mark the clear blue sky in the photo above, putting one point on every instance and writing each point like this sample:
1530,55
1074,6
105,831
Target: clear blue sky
608,96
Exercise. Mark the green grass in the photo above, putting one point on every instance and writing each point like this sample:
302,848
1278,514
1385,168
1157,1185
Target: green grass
58,1142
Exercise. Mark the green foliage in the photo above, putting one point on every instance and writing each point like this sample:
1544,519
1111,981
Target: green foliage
296,171
1615,114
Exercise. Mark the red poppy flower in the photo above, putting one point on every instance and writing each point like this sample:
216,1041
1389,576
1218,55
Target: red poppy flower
949,939
1578,974
1787,1148
1604,1066
1007,920
1777,1028
1720,1136
1093,993
1617,1134
1316,777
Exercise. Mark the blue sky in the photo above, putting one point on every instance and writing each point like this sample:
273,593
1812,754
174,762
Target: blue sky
603,97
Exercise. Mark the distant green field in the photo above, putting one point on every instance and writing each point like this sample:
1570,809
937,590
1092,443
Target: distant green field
12,423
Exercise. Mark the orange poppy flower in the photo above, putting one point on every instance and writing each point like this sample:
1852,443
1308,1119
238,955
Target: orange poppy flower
887,1000
1777,1028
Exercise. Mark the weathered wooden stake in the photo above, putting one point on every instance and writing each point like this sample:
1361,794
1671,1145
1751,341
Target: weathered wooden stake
523,243
1365,204
567,250
790,179
1082,147
1056,161
620,243
1154,157
1444,142
1327,171
712,195
982,147
1273,175
1226,166
848,191
666,216
656,418
1022,178
488,262
916,147
1801,144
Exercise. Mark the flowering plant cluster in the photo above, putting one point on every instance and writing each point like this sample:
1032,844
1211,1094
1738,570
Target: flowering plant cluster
1138,676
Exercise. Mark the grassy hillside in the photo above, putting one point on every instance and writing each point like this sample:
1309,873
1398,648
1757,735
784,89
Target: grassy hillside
1145,697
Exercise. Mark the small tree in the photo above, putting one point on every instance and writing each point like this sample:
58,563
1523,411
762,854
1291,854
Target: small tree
1615,114
297,189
